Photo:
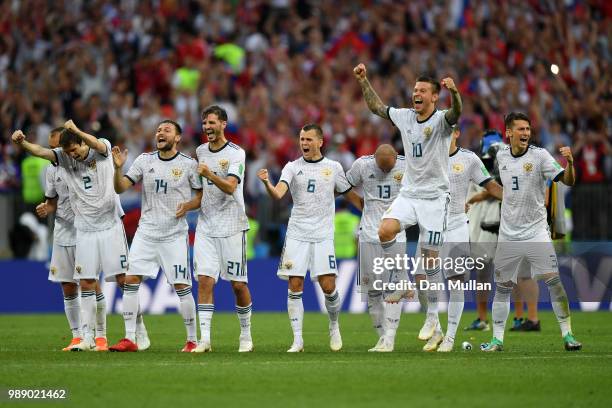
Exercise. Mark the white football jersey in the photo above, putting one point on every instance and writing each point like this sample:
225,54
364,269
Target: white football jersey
465,167
221,214
166,183
92,194
524,177
426,147
64,233
379,191
313,185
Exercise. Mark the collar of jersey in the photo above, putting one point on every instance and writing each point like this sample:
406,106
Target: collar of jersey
454,153
520,155
219,149
172,158
429,117
313,161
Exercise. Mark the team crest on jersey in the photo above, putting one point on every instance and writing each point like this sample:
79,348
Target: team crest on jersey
92,165
224,164
398,177
53,269
528,167
288,265
177,173
427,132
78,268
326,172
458,168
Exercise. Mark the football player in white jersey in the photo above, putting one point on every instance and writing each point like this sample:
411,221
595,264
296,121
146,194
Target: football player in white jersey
220,243
61,268
425,193
168,179
100,238
380,177
465,168
313,181
523,233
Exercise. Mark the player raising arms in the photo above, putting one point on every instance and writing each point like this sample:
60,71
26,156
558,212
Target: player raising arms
465,167
523,232
313,181
425,193
168,178
100,237
380,176
61,269
220,244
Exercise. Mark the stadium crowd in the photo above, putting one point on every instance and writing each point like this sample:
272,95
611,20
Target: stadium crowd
119,67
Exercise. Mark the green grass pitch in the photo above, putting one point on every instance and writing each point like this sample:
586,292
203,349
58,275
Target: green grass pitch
533,371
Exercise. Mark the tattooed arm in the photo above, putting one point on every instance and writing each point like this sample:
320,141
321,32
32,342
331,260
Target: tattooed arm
372,99
452,115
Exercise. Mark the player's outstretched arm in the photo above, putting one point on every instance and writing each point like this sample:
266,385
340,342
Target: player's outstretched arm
120,182
18,137
193,204
355,199
276,192
372,99
569,175
44,209
495,190
227,185
452,115
89,140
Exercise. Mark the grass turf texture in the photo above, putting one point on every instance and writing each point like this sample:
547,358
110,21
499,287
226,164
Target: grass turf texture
534,370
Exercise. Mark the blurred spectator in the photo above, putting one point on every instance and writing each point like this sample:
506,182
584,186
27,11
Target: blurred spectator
118,67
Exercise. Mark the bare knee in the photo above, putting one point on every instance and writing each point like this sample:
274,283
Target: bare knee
388,229
296,284
327,283
238,287
70,288
132,279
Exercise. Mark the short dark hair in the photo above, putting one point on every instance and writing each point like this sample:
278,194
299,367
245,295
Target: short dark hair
59,129
435,85
177,127
512,116
68,137
315,127
216,110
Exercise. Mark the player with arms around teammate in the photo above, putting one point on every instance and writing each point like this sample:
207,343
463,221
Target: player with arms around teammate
380,177
220,244
523,233
425,194
313,181
62,256
465,168
168,179
100,237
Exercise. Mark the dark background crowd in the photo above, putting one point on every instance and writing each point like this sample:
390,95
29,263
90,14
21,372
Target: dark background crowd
117,68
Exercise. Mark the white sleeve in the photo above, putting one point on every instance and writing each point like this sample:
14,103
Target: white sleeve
50,191
236,165
194,178
353,175
136,170
342,184
287,174
478,172
398,116
551,169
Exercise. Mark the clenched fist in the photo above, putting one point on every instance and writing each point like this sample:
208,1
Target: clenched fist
449,84
18,137
567,153
263,175
204,171
360,72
